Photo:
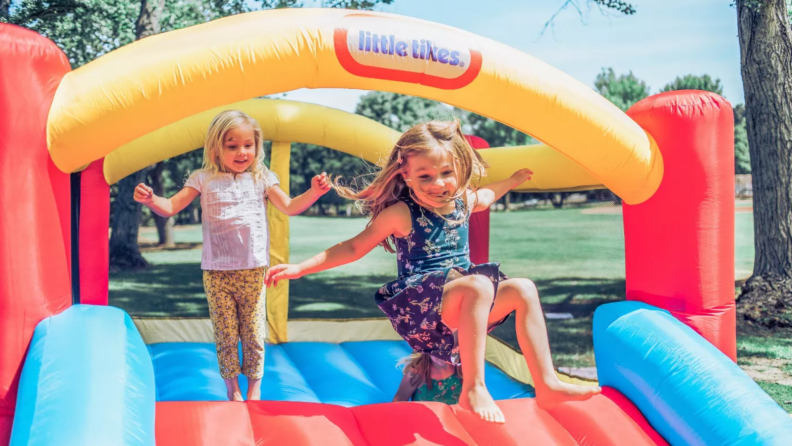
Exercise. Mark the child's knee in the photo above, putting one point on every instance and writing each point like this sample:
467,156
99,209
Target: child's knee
526,289
479,286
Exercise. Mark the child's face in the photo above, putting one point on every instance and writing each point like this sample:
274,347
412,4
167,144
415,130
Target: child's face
239,148
432,177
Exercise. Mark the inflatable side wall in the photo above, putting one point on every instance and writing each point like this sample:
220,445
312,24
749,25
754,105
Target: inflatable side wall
87,380
679,244
689,391
34,198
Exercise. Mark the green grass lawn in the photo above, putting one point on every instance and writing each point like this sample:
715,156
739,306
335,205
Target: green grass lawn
575,257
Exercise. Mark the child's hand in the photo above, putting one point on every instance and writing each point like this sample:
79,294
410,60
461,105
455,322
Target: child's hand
280,272
521,176
320,184
143,194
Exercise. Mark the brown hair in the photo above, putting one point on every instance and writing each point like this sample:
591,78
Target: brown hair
388,185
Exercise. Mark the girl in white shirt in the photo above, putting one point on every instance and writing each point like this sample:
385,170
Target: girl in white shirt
235,186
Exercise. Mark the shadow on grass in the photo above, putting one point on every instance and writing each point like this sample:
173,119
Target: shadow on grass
163,290
331,296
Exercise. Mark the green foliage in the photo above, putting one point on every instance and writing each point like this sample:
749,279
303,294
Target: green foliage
742,156
354,4
83,29
495,133
623,90
87,29
617,5
400,112
308,160
693,82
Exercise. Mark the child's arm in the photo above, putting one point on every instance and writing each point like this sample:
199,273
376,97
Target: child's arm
164,207
409,384
393,220
486,196
320,185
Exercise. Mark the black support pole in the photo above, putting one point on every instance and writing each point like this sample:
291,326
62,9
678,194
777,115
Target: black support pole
75,236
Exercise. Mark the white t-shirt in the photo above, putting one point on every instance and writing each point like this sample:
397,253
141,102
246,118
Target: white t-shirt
234,214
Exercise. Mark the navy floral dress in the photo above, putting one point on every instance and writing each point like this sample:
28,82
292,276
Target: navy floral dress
435,246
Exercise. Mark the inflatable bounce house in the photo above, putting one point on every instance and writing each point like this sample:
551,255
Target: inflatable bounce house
74,371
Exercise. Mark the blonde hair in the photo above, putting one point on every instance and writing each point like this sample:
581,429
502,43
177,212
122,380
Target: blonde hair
421,364
389,184
215,137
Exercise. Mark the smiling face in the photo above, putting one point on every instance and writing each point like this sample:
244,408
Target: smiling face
432,176
239,148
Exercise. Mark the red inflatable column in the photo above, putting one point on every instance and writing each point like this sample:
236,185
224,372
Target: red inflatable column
480,221
679,244
34,200
94,241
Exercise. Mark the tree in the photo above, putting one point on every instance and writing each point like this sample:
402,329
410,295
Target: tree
766,60
308,160
124,251
693,82
400,112
742,157
5,10
623,90
495,133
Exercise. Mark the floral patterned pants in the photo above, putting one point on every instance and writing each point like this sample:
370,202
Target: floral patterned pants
237,306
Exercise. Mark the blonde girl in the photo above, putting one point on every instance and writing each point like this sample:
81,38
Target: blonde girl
235,186
420,205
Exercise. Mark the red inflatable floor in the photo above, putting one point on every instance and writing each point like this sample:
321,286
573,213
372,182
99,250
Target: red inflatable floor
608,419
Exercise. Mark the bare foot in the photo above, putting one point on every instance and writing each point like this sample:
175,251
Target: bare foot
254,389
478,400
561,392
232,389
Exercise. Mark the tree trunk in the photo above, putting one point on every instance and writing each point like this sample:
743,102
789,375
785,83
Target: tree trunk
149,18
124,251
766,59
558,199
164,224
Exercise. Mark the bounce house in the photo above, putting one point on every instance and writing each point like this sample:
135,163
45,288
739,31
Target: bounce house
74,371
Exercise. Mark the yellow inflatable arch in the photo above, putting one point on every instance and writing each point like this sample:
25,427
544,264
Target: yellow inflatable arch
290,121
164,79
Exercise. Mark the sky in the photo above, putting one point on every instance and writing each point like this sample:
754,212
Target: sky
664,39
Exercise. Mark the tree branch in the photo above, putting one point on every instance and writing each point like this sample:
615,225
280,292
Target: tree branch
616,5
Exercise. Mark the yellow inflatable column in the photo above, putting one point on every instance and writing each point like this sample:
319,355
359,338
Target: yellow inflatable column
278,297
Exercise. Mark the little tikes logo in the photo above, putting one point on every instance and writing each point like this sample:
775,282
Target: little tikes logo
378,48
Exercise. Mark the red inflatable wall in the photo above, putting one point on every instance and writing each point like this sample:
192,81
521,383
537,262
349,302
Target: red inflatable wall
480,221
679,244
34,200
94,227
